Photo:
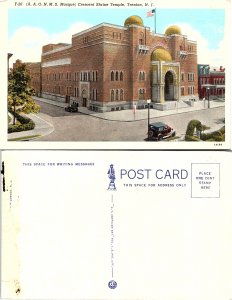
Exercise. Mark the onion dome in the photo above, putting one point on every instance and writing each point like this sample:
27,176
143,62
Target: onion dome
161,54
133,20
174,29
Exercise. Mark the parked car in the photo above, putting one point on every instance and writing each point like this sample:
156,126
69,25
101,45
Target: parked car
72,107
159,130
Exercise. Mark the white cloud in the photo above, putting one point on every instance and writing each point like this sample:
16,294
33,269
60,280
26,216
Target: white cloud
215,57
66,36
26,42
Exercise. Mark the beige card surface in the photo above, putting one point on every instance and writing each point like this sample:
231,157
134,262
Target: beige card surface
116,225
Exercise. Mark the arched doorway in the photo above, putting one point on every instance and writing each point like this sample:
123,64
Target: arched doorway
84,98
169,86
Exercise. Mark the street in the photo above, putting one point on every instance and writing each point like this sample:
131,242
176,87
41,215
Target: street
80,127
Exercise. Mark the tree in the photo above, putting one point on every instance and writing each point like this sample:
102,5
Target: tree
20,91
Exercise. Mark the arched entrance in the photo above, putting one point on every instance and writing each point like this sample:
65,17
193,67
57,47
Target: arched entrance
84,98
169,86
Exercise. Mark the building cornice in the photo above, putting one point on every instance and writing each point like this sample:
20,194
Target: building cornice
99,26
56,50
57,62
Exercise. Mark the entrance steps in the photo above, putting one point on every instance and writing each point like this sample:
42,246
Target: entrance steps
170,105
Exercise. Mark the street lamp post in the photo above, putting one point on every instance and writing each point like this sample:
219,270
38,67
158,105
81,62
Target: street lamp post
208,89
148,117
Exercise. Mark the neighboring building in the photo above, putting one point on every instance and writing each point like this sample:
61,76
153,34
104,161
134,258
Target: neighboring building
211,83
35,73
110,67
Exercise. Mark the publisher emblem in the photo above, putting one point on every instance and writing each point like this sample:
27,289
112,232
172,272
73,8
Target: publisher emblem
112,284
111,175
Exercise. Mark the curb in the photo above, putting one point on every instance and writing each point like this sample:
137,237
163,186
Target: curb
143,119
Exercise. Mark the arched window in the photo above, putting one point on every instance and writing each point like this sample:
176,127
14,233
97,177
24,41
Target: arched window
121,95
112,76
116,76
117,95
141,75
121,76
112,95
141,94
141,38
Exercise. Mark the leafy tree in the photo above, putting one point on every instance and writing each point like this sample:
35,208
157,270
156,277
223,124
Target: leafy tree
20,91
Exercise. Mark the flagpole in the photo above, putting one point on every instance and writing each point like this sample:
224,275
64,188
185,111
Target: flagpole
155,20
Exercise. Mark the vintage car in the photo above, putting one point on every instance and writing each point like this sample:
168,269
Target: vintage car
159,130
72,107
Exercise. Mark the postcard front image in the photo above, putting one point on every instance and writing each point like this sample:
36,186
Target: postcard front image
147,75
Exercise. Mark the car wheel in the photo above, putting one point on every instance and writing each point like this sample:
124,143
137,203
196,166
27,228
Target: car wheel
174,133
160,137
150,133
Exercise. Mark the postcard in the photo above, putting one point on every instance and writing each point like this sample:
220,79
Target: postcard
116,225
116,74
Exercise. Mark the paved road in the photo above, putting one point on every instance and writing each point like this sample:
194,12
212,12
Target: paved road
79,127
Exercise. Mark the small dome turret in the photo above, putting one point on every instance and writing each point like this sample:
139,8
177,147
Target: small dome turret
133,20
174,29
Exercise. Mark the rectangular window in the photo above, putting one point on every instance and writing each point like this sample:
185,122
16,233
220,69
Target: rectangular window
94,94
182,76
190,76
191,90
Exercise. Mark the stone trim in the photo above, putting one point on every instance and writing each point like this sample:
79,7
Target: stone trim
58,62
56,50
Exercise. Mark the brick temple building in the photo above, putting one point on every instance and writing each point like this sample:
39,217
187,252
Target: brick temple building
211,82
110,67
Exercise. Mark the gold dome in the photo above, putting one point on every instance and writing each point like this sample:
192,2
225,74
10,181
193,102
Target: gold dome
133,20
161,54
174,29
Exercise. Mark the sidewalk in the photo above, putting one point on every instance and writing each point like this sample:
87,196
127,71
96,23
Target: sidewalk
43,127
140,114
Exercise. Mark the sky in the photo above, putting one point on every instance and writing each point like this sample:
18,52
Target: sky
31,28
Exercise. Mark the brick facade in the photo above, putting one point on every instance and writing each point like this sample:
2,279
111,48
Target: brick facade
109,67
211,83
34,70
